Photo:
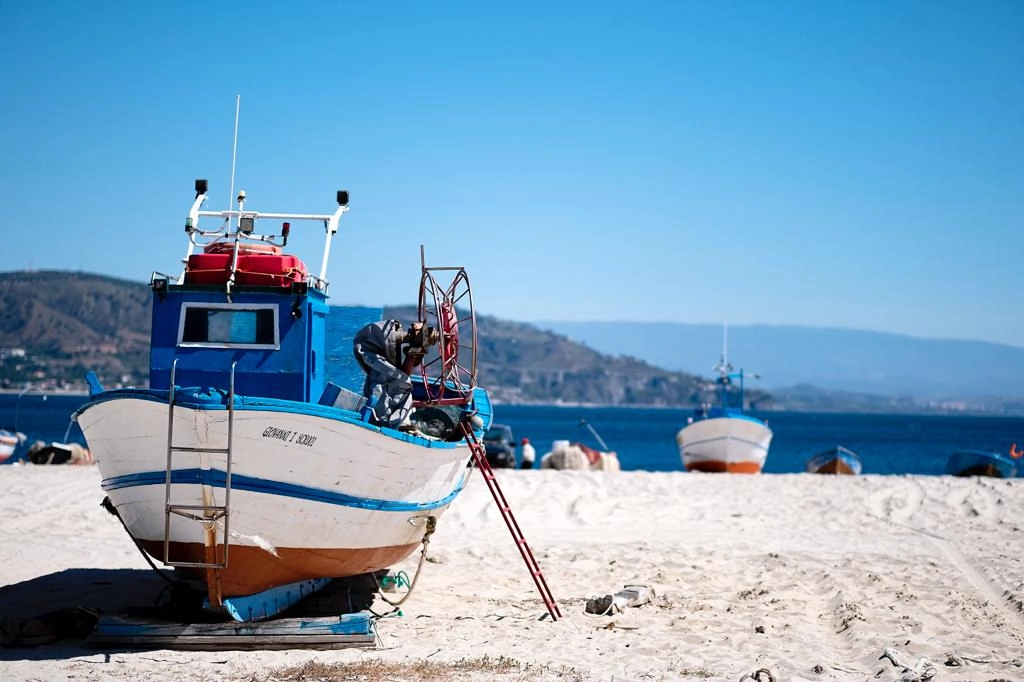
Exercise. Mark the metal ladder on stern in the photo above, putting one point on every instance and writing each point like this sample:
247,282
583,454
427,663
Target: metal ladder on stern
480,458
208,513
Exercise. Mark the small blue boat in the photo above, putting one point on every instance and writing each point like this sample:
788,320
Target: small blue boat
837,460
981,463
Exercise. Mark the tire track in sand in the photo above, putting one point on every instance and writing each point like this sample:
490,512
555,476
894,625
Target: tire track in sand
898,505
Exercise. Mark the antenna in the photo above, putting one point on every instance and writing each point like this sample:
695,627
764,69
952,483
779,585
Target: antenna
723,367
725,343
234,151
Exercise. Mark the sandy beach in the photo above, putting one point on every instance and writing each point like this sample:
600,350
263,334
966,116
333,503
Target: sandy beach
798,576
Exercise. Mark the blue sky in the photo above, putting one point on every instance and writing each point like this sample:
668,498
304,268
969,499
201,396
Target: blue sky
854,164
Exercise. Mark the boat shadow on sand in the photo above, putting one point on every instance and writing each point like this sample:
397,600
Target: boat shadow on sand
52,616
61,609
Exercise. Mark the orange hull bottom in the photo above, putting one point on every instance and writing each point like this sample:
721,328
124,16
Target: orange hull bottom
835,466
251,570
717,467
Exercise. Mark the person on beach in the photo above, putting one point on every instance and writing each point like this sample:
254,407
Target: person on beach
528,454
388,354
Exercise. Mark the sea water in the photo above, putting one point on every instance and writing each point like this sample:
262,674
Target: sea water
644,438
45,417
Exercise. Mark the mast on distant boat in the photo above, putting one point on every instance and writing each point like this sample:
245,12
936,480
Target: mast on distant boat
726,373
724,370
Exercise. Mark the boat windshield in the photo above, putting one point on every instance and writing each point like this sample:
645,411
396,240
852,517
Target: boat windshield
218,324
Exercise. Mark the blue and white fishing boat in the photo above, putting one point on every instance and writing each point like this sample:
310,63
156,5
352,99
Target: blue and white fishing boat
981,463
251,461
722,438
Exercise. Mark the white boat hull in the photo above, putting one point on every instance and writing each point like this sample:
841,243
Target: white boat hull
309,496
8,444
724,444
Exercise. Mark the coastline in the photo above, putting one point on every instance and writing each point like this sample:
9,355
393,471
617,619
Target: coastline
558,404
808,577
39,391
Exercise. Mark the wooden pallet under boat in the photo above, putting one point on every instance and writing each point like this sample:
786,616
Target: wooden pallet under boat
337,632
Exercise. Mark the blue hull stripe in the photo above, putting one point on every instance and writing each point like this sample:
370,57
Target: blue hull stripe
751,443
216,478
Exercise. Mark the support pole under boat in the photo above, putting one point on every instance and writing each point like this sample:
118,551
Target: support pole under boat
480,458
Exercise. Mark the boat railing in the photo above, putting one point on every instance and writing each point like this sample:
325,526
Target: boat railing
238,226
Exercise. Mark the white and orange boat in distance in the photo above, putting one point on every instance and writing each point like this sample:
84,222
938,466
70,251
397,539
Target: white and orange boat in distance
723,438
730,443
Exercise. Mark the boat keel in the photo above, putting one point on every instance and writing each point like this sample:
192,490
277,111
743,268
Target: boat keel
269,603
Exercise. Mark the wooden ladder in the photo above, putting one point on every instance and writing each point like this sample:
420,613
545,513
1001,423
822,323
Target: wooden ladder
480,457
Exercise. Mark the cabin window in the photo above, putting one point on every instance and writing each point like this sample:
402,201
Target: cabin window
227,325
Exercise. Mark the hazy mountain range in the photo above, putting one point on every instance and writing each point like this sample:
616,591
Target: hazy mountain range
59,324
827,358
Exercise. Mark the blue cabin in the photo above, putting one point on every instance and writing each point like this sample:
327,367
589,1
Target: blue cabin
243,314
273,337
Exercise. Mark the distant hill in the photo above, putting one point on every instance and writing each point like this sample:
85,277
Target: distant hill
519,363
58,325
828,359
68,323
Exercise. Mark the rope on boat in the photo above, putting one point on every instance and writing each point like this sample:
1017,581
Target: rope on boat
431,527
109,506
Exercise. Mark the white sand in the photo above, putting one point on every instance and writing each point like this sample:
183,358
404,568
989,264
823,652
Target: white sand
810,577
